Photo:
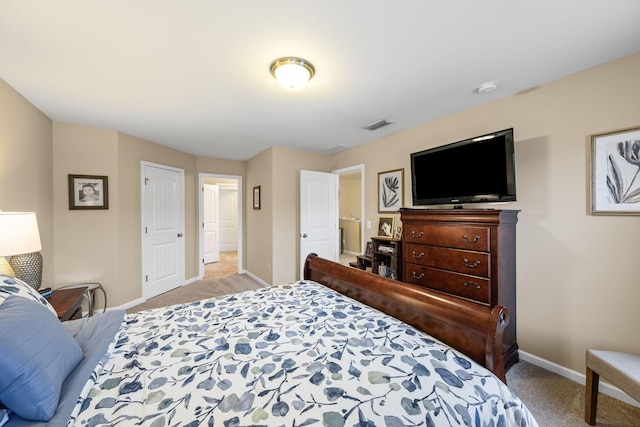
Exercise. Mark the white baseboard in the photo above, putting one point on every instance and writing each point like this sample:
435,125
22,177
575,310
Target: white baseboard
604,387
128,304
345,252
256,278
141,300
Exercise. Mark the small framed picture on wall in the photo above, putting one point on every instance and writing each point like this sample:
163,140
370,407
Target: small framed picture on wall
256,197
88,192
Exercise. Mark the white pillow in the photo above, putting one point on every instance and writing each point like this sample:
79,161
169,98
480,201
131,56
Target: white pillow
12,286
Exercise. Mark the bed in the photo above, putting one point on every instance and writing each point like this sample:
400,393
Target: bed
302,354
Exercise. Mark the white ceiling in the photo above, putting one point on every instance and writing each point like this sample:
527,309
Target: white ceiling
194,74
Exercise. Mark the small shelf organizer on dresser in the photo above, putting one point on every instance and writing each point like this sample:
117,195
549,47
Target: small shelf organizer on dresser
386,257
469,253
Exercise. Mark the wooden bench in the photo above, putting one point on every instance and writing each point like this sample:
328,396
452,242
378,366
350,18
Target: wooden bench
620,369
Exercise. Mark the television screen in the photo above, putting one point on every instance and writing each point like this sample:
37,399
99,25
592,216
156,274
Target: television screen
475,170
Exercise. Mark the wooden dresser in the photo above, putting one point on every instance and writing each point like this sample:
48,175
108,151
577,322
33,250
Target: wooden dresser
469,253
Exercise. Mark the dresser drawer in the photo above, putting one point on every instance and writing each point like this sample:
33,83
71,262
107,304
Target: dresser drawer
461,237
463,285
457,260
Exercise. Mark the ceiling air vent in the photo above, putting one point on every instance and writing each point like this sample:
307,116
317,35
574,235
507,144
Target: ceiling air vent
377,125
336,149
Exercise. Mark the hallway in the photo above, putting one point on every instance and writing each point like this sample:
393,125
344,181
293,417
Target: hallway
227,266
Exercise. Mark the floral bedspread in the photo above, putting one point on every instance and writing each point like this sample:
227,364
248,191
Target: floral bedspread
293,355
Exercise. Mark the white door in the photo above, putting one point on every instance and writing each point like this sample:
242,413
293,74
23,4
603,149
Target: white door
228,219
318,215
210,223
162,229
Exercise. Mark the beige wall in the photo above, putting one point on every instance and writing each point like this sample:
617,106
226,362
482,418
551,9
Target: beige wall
259,231
350,197
26,167
577,283
85,244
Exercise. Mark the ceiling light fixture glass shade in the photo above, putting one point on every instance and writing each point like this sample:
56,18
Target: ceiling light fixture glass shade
292,73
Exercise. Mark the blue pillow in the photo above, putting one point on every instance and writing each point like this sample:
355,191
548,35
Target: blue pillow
36,355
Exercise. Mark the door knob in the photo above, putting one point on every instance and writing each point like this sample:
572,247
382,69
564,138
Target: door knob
179,234
304,236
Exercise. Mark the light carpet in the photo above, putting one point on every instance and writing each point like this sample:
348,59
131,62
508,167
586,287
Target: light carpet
201,289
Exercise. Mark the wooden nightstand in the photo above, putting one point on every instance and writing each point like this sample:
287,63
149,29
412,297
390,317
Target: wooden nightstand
67,302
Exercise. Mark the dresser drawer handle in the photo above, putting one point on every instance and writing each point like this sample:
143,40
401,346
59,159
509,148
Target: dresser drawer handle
470,283
474,265
417,276
420,255
466,239
417,235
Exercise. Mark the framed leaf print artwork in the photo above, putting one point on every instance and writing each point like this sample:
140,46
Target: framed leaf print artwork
615,170
390,190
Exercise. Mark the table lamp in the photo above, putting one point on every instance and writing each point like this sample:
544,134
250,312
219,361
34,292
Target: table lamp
20,240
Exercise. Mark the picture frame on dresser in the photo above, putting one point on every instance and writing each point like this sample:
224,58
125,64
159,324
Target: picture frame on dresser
385,226
390,190
88,192
368,249
615,172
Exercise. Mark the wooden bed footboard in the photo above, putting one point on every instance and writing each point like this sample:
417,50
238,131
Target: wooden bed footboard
470,328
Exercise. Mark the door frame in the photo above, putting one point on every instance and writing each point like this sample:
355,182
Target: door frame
215,189
201,178
350,169
143,165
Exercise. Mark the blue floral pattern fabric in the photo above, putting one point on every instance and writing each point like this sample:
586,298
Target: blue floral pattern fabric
292,355
13,286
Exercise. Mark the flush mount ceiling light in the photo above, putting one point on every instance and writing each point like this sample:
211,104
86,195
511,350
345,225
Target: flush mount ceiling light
487,87
292,73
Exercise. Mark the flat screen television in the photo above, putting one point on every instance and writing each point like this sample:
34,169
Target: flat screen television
475,170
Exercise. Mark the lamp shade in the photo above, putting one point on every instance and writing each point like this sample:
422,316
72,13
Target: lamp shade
19,233
20,239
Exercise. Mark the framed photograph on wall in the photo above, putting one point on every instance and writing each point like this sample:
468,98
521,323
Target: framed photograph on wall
256,197
615,172
88,192
390,190
385,226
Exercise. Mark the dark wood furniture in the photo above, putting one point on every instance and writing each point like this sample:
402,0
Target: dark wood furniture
468,327
467,253
67,302
361,262
387,252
